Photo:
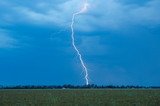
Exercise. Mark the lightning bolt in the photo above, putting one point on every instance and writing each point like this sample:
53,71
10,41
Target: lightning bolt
83,9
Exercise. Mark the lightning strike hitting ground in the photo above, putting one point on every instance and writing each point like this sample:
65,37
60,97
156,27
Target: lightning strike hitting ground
84,8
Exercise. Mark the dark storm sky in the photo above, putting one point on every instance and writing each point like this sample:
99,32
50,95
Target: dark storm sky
119,41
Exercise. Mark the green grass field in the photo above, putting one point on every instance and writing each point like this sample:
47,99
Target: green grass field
80,97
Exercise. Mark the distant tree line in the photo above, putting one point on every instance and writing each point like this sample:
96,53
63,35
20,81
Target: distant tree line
69,86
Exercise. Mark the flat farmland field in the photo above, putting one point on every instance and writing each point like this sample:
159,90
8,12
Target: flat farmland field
80,97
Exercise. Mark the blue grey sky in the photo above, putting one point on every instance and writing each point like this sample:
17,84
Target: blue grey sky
118,39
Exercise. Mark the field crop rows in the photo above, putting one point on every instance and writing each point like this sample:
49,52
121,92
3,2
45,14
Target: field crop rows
90,97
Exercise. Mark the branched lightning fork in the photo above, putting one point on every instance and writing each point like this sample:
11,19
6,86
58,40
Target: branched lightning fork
83,9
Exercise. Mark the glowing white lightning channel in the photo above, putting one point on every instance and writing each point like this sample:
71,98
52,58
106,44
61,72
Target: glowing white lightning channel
84,8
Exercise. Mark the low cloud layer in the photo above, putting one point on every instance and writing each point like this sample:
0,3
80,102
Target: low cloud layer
6,41
106,14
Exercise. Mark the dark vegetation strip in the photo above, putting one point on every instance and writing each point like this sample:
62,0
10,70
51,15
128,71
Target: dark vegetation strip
69,86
